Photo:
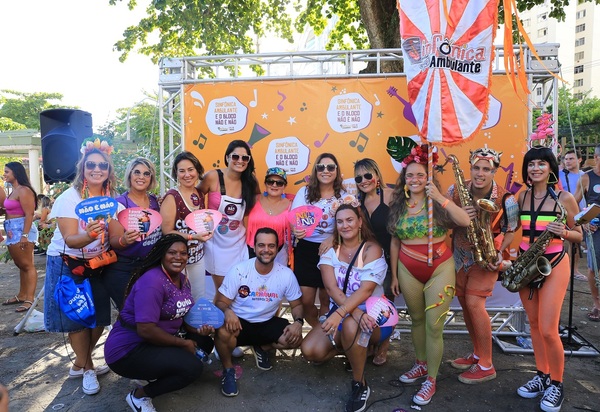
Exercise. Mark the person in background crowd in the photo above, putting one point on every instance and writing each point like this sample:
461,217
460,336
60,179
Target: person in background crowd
427,290
270,210
140,179
176,205
474,283
323,188
232,191
144,343
83,240
543,299
45,225
375,198
21,233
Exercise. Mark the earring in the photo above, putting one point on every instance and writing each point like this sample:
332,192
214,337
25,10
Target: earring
553,182
529,182
406,192
378,189
84,193
283,195
359,236
265,193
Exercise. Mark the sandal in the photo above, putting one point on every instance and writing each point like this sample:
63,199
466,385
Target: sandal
594,315
12,301
380,359
23,307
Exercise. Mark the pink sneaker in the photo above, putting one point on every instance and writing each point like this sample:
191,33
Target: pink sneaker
477,375
419,370
465,362
423,397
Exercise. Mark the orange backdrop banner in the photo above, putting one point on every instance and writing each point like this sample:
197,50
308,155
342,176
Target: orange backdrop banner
289,123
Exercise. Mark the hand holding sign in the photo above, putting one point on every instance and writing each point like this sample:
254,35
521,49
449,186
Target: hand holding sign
204,313
140,219
203,221
382,310
305,217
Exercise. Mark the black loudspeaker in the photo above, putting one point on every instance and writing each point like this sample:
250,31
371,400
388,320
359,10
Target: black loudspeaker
63,131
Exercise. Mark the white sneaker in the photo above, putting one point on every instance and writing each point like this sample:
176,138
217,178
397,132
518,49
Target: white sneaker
238,352
90,385
100,370
139,404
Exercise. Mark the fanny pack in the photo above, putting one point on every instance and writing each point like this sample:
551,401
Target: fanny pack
89,267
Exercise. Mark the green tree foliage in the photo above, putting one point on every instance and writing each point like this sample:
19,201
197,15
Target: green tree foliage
25,108
7,124
581,115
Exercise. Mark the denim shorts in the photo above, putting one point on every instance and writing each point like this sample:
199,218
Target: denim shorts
54,319
596,254
14,231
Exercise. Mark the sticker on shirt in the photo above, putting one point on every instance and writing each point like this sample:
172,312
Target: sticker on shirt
231,209
596,188
243,291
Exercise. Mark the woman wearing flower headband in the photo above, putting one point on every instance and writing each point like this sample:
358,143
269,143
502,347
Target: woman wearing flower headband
540,208
271,210
140,178
353,241
427,290
176,205
323,188
83,240
375,198
232,191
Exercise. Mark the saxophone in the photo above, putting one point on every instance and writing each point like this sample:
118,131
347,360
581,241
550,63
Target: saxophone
531,264
479,233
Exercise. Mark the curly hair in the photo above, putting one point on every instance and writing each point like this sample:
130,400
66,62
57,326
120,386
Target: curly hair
313,191
398,204
365,232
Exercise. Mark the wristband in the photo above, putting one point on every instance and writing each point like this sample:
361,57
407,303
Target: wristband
445,203
300,321
93,234
189,237
566,235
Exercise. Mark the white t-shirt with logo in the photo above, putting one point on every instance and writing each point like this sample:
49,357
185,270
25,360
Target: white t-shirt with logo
256,297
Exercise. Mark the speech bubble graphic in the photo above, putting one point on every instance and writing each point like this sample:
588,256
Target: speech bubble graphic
226,115
289,153
349,112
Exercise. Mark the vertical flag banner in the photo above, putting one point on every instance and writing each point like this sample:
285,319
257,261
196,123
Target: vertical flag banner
448,49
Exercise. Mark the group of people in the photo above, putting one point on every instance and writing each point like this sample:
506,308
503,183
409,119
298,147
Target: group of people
373,244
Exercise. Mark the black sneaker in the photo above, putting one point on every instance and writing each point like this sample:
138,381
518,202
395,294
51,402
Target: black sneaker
358,398
262,358
553,398
38,252
228,383
535,387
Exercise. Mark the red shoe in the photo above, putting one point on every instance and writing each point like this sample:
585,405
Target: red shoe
477,375
423,397
465,362
419,370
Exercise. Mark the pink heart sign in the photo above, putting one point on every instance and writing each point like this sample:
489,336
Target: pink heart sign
382,310
141,219
203,221
305,217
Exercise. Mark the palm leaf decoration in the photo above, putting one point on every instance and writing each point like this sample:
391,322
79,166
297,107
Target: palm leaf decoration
399,147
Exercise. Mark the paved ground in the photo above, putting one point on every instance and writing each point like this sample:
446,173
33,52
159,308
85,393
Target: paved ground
34,366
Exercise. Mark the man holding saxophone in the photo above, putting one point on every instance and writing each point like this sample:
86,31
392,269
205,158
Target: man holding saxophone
494,214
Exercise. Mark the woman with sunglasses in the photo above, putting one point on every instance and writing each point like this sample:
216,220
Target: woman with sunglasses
323,188
95,176
374,199
21,233
140,178
232,191
271,210
177,204
427,290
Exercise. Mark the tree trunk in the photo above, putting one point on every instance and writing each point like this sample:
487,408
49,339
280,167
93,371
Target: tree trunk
380,19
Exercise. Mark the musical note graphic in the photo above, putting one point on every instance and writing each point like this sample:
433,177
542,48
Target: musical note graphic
355,143
280,105
200,141
407,111
320,143
197,96
377,102
258,133
305,179
254,102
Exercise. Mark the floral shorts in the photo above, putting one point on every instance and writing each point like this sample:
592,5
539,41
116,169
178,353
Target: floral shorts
14,231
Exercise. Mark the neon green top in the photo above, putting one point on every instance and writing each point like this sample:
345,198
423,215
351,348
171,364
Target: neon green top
414,227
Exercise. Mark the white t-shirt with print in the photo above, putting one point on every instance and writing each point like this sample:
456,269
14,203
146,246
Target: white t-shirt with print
256,297
325,227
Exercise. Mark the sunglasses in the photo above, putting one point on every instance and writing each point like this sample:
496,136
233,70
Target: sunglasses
236,157
359,178
139,173
278,183
330,167
89,165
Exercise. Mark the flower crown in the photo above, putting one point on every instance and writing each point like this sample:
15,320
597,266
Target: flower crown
485,153
418,154
103,146
346,200
544,134
405,150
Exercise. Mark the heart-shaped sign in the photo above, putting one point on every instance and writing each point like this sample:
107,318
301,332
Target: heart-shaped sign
204,313
305,217
203,221
382,310
142,219
100,208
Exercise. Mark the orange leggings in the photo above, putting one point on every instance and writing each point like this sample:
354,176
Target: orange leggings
543,311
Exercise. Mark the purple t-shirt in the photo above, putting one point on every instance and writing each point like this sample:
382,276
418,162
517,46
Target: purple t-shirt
142,248
153,299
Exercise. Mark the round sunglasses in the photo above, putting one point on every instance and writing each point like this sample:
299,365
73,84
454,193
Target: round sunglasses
366,176
89,165
139,173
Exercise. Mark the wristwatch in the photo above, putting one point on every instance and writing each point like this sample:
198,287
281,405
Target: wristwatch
25,235
299,320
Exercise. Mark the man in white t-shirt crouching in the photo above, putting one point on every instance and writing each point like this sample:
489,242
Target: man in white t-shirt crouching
250,297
